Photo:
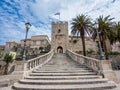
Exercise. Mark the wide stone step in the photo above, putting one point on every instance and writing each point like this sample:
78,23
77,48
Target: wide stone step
64,82
4,82
61,71
62,74
62,67
55,69
100,86
77,66
61,77
68,64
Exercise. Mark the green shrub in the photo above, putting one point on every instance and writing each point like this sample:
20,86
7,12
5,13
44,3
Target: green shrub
7,58
113,53
90,51
75,41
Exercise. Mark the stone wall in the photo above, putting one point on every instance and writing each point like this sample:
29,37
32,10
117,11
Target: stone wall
77,46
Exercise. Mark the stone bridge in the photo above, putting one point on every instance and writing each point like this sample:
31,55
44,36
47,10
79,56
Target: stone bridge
68,71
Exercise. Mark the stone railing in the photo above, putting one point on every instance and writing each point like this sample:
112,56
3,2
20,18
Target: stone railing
91,63
102,67
39,61
23,68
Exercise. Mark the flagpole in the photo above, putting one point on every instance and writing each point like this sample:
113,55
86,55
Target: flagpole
58,13
59,17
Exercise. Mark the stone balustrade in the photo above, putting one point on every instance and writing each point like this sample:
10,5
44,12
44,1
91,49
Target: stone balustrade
40,60
102,67
92,63
23,68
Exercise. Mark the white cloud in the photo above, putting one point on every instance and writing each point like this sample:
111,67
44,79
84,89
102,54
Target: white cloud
41,13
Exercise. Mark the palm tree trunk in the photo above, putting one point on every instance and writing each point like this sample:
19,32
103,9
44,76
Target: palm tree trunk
105,48
83,44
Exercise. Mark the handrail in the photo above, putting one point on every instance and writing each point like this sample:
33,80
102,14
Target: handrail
89,62
32,63
23,68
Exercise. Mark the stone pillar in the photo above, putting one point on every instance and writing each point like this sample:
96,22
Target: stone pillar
107,71
20,70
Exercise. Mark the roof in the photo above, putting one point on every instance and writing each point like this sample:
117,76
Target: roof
40,36
12,42
2,46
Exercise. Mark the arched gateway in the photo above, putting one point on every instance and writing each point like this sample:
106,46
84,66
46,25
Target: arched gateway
59,39
59,49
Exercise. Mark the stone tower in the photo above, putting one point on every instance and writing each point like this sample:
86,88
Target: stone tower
59,37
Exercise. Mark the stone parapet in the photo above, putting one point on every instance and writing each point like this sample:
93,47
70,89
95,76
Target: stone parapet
107,71
23,68
102,67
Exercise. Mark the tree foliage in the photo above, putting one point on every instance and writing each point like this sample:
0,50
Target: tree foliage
81,25
104,26
7,58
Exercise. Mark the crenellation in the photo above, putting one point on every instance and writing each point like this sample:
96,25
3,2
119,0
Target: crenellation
59,22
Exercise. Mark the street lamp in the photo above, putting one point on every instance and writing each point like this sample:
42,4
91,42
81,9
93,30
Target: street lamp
27,25
102,56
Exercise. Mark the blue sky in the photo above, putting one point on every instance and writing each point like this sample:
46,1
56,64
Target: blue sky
40,13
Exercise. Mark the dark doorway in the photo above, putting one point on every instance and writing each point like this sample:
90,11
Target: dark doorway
59,49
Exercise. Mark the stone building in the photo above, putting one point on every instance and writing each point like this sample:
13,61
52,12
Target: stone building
2,47
10,46
39,41
36,41
61,41
116,47
28,42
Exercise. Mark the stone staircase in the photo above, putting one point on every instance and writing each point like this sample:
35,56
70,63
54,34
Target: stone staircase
62,73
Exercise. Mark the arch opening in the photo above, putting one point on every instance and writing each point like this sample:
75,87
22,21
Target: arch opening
59,49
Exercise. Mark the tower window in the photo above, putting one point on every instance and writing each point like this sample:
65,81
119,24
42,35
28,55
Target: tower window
59,31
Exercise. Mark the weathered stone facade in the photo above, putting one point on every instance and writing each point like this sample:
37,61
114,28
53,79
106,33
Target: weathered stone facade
10,46
37,41
59,36
116,47
75,44
61,41
28,42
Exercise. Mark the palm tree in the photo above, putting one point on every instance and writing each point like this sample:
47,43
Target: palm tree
112,36
104,27
117,31
115,34
7,58
81,25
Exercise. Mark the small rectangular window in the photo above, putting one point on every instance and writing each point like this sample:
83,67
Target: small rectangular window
42,42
